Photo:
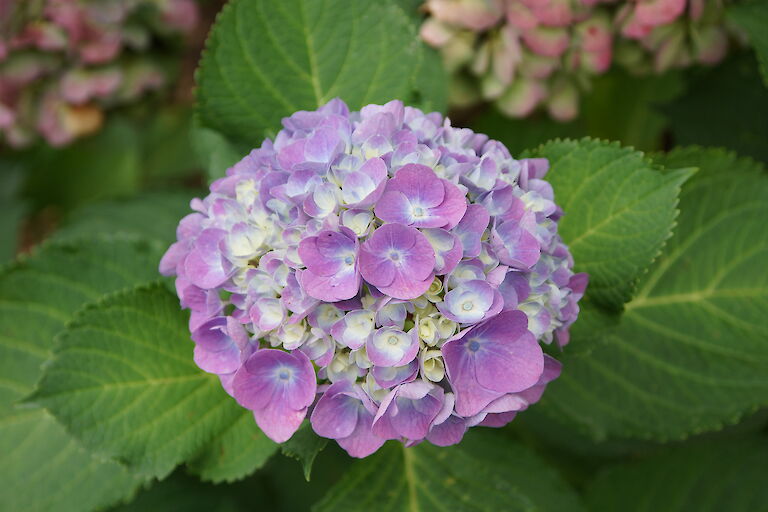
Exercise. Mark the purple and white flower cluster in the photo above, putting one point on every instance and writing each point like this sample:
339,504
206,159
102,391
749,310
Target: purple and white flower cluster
382,272
63,62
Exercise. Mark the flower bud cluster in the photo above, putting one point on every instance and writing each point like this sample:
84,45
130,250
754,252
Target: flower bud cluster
63,62
381,271
664,34
525,54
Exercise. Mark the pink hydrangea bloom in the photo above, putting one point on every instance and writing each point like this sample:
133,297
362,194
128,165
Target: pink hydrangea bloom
76,54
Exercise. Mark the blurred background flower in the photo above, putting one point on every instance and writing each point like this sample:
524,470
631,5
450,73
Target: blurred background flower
64,63
525,55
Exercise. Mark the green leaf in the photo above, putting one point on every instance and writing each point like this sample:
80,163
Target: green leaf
235,453
304,447
123,381
216,152
183,493
14,209
723,475
99,167
168,153
618,212
610,111
752,18
689,354
485,472
152,215
41,466
265,60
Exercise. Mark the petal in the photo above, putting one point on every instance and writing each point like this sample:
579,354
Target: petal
335,415
362,442
420,185
279,422
394,206
341,286
453,207
449,432
471,228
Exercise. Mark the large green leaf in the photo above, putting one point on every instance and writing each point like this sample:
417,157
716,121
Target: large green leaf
690,353
123,381
236,452
618,211
151,215
216,152
485,472
102,166
41,466
265,59
707,476
752,17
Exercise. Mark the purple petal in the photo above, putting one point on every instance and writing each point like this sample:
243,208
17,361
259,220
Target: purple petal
471,228
493,358
341,286
392,347
410,410
515,246
447,247
204,266
449,432
420,185
453,207
362,442
394,206
279,422
335,415
498,420
398,260
272,376
391,376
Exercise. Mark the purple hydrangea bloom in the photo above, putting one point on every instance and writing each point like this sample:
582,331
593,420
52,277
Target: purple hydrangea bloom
387,273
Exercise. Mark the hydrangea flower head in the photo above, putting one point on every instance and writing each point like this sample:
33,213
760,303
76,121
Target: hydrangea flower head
380,272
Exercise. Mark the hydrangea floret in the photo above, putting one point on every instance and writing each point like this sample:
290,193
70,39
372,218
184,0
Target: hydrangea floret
380,272
64,62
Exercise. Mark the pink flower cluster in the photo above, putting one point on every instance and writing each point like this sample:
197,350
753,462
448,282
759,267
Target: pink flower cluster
382,272
663,34
525,54
62,62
